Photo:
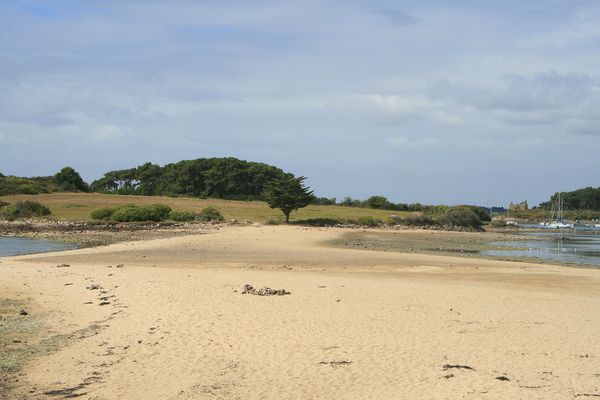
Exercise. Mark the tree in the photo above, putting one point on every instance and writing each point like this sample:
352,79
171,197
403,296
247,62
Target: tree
288,194
378,202
69,180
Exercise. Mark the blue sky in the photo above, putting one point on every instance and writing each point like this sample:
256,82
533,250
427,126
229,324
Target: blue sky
429,101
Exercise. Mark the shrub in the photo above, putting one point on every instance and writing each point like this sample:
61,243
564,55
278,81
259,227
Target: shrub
368,221
162,210
104,213
324,201
181,216
418,220
23,209
210,214
25,189
460,217
134,213
272,221
498,224
319,222
377,202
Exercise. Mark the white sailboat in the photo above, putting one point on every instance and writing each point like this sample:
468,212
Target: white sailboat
558,221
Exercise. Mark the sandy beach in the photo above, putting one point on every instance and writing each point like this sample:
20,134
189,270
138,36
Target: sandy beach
166,319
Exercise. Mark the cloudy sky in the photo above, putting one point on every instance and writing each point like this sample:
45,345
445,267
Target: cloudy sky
420,101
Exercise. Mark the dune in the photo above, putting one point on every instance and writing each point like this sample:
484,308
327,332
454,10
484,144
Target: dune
166,319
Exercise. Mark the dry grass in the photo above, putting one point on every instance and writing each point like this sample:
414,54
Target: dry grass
78,206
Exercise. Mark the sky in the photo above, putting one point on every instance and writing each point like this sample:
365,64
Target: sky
454,102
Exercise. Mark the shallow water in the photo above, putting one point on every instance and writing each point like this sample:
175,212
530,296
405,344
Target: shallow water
13,246
564,247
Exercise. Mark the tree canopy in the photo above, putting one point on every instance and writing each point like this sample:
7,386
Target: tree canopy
227,178
69,180
288,194
581,199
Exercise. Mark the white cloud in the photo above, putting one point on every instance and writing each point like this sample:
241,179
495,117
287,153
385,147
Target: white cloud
582,30
404,143
386,108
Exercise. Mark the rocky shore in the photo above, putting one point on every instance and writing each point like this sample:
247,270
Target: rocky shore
92,234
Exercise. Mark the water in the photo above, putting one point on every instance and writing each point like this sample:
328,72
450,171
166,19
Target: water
577,228
573,247
12,246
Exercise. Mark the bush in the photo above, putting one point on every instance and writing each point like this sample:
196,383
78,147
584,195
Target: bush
23,209
137,214
181,216
273,221
104,213
210,214
418,220
368,221
319,222
162,210
377,202
25,189
324,201
460,217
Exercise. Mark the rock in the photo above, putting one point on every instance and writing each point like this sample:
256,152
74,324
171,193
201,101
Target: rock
336,363
456,366
63,266
264,291
94,286
23,312
502,378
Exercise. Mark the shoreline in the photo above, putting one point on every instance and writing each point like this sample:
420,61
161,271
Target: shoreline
94,234
89,234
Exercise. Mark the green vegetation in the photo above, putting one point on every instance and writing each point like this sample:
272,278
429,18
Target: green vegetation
463,216
154,212
104,213
288,194
132,213
181,216
137,214
418,220
382,203
62,207
227,178
451,217
16,185
210,214
582,199
23,209
69,180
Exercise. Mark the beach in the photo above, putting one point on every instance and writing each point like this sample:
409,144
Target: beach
166,319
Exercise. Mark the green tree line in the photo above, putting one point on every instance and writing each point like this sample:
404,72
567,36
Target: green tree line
66,180
228,178
581,199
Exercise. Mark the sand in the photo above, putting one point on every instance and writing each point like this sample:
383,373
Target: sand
357,324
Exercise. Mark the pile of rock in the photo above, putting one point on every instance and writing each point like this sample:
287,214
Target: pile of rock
265,291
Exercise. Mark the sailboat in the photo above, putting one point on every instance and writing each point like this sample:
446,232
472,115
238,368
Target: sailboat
559,222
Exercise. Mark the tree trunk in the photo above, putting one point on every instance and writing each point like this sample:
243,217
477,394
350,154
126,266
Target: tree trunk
287,218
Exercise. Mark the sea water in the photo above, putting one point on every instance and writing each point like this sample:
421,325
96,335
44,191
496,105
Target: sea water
13,246
573,247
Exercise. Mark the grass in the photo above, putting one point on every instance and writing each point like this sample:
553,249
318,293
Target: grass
78,206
